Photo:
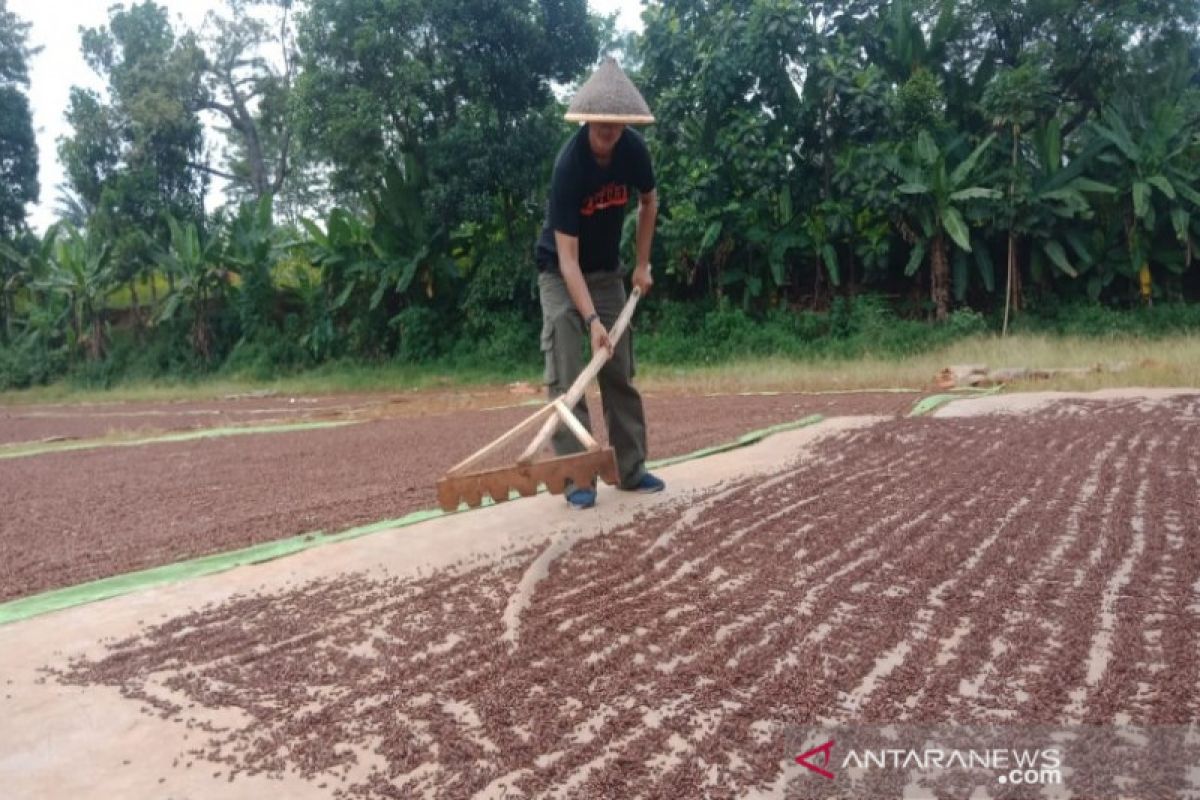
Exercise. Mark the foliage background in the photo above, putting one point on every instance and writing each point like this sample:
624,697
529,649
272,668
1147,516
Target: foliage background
836,177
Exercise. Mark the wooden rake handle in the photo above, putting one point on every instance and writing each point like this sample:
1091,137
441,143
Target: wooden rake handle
552,413
568,400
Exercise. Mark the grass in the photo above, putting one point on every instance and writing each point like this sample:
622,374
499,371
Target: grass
327,379
1168,361
1162,361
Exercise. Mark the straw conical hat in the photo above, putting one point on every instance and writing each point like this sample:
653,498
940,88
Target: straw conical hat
609,96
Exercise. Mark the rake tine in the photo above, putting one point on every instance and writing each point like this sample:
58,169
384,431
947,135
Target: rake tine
556,484
581,469
609,473
497,487
525,485
473,494
448,495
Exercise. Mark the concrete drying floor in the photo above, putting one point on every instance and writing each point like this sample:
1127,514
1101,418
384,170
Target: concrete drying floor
1033,561
84,742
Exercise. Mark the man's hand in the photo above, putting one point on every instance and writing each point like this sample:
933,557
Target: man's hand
600,338
641,279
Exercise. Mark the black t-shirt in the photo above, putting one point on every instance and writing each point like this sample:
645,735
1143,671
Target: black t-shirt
589,202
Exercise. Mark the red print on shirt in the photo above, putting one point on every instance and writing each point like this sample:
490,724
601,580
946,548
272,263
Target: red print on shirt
611,194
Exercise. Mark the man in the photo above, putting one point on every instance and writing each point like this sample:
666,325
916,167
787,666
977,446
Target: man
579,276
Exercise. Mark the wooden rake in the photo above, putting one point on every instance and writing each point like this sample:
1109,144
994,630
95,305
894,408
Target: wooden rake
460,485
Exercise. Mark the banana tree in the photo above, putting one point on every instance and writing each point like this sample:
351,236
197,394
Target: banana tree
199,276
1153,158
410,245
1050,205
813,233
823,226
933,201
250,249
1045,204
22,268
742,250
374,268
81,271
334,251
11,278
319,338
344,257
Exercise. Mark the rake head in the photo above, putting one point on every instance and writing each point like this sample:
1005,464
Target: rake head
581,469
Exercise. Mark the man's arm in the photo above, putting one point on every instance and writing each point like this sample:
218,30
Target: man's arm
647,216
572,273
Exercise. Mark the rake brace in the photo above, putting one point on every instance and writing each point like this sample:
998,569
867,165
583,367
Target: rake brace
461,486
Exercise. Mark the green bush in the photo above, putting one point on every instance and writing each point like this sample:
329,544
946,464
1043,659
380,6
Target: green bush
495,341
266,356
1097,320
162,351
24,364
499,340
422,333
966,322
686,334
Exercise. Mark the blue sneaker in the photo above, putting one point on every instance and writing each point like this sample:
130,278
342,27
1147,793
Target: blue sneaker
647,485
581,498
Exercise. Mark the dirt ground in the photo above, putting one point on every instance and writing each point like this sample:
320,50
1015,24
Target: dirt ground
28,424
36,423
75,516
1032,569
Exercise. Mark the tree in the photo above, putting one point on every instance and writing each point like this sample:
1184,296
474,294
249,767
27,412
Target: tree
133,155
18,148
250,250
21,264
1089,52
249,71
199,278
933,201
42,329
1016,100
70,208
1153,153
846,106
722,79
463,85
18,158
81,271
376,269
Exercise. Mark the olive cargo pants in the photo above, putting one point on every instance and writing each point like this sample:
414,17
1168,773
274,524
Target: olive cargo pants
563,339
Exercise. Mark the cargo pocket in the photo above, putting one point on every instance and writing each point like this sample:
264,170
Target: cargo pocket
632,357
550,373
